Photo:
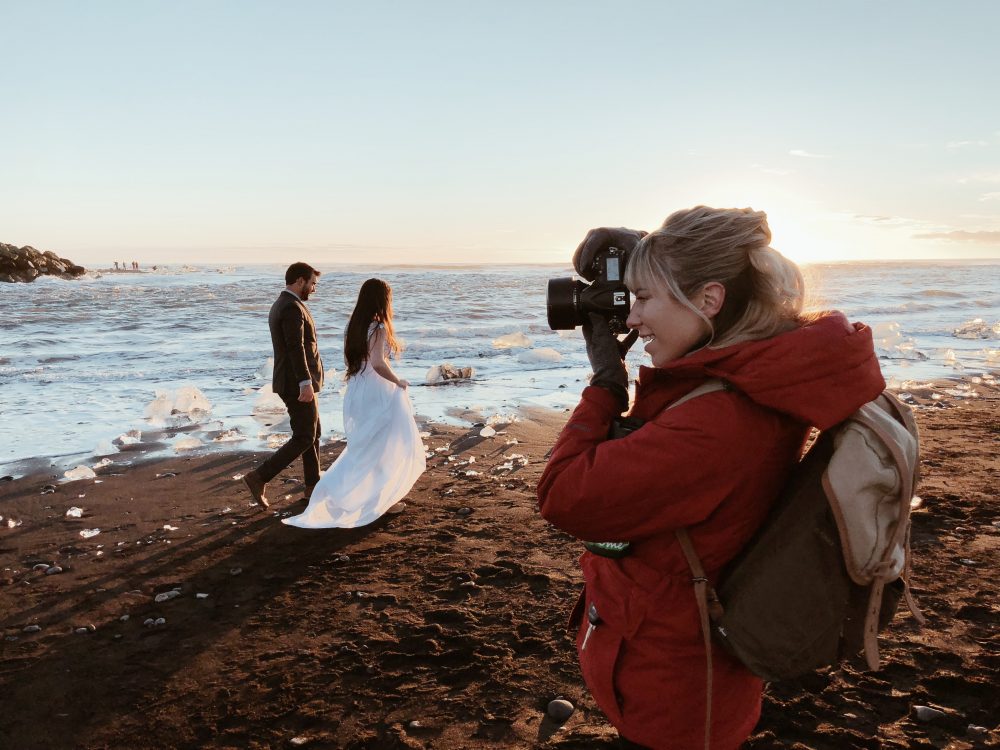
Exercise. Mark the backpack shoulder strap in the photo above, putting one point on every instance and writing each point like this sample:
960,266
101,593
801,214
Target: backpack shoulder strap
709,605
709,386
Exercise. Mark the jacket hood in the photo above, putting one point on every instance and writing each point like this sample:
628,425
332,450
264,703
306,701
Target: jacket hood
819,373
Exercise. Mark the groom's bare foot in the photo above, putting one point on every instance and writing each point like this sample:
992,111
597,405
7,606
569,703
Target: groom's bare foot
256,486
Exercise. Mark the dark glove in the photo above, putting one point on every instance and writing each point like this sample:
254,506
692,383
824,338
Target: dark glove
607,354
601,239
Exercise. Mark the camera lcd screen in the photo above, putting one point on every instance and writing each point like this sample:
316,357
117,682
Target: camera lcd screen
612,266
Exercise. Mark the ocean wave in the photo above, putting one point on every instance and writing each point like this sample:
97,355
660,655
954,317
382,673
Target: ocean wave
944,293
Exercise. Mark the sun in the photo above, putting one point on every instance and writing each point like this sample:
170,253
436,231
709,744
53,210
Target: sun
800,227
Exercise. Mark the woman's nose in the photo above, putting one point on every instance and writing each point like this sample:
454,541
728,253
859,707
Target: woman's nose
632,321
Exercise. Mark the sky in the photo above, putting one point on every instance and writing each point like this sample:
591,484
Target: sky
457,132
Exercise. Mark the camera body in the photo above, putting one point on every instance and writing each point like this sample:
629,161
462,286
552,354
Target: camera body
568,301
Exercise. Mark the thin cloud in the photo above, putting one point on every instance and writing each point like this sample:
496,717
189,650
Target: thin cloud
772,170
989,177
807,154
963,144
961,235
882,220
990,197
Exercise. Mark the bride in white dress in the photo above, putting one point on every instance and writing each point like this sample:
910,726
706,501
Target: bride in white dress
384,454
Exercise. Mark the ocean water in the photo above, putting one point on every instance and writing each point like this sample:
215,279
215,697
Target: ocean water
177,357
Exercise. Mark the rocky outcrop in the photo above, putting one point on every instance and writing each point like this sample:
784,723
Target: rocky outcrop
27,264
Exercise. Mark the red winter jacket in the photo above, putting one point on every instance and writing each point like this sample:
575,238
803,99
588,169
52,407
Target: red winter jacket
714,465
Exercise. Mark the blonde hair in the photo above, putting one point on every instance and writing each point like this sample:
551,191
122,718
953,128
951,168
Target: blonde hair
731,246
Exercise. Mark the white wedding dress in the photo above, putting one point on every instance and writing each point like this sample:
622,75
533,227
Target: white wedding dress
383,458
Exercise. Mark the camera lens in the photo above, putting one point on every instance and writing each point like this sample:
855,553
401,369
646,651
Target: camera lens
562,303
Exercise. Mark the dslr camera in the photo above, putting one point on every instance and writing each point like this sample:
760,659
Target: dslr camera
568,301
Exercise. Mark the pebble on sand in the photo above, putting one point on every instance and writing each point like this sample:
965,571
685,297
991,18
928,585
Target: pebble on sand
560,709
926,713
53,570
166,596
32,628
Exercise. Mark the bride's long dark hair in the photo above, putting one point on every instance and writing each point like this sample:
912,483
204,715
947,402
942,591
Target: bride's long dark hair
374,305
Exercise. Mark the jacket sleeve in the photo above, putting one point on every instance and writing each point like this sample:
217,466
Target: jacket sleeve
293,332
670,473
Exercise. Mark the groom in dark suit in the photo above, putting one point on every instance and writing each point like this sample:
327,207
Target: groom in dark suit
298,377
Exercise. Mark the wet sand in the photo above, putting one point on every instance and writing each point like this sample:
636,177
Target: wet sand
439,626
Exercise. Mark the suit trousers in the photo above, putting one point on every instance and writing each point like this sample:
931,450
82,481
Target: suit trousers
304,419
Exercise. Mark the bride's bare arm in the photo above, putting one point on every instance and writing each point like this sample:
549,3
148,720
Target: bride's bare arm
378,361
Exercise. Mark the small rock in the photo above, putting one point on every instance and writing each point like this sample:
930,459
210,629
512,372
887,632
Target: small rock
53,570
149,622
397,508
166,596
299,741
81,631
123,618
87,533
464,511
48,487
487,432
46,492
414,724
235,571
926,713
160,621
468,584
74,512
975,730
32,628
41,566
560,709
201,596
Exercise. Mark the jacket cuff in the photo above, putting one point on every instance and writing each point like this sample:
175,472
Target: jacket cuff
605,400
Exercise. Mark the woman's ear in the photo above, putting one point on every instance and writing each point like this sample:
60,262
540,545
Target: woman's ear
713,294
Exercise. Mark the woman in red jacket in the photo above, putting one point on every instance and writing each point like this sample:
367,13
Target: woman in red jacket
713,300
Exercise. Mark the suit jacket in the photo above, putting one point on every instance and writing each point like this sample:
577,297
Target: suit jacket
296,353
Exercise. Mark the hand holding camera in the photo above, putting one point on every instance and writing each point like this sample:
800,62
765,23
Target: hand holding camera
607,356
599,240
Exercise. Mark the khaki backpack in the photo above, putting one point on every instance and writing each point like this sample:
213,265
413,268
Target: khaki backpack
825,572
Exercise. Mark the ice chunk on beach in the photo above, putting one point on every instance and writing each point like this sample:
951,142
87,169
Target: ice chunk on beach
80,472
187,402
277,439
446,372
268,402
977,329
266,371
191,401
229,436
187,444
511,341
132,437
74,512
87,533
889,342
102,463
536,356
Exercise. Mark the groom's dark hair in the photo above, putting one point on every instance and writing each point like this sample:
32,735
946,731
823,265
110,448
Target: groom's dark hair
298,271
